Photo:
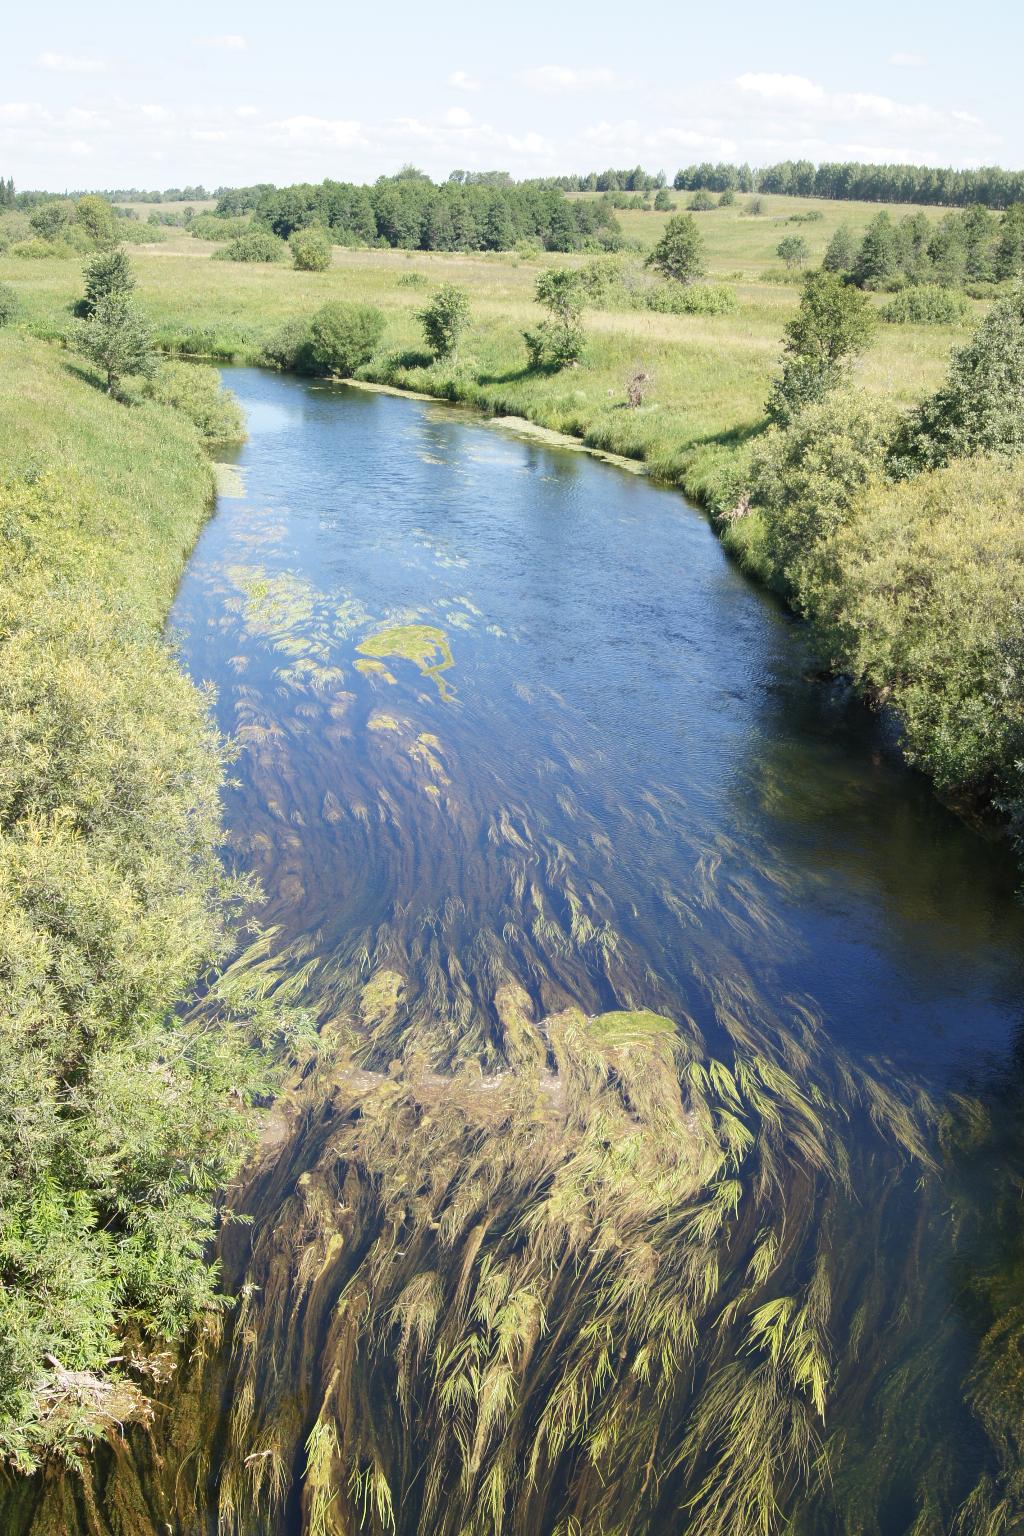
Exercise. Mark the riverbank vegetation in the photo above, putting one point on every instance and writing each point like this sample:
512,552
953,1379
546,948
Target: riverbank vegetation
120,1119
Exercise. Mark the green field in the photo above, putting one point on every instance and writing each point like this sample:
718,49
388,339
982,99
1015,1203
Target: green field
712,373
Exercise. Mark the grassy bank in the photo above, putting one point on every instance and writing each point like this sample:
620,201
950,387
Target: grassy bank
119,1120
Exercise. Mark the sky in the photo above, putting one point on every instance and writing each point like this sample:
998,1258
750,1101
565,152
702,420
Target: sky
114,95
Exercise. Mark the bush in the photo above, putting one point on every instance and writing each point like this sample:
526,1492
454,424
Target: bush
679,254
311,249
290,348
727,198
927,304
701,202
343,337
196,390
793,250
697,299
255,245
832,326
919,596
805,478
210,226
412,280
980,408
444,320
556,344
10,304
41,250
109,272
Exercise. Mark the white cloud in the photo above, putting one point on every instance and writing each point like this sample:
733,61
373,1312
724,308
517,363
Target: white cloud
340,133
459,80
70,64
232,42
247,112
457,117
556,80
908,60
781,89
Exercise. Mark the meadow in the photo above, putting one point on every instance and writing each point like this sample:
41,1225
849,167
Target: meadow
712,373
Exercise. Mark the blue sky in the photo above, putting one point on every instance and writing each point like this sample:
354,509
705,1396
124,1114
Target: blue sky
116,95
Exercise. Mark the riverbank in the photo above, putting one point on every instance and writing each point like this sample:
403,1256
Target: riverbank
118,1123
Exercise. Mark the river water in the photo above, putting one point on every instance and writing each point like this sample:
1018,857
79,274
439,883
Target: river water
507,714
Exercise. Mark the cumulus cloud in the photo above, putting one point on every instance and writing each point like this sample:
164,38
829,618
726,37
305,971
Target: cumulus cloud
457,117
459,80
557,80
231,42
338,132
70,64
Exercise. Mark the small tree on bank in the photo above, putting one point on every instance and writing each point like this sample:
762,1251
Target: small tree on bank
679,254
117,340
107,274
841,251
344,337
833,325
559,341
444,321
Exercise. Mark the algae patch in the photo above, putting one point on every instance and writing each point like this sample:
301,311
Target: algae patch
423,644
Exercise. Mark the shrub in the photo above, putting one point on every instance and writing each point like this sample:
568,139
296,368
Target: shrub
832,326
805,478
445,319
311,249
96,218
40,250
980,407
639,384
196,390
727,198
290,348
927,304
344,337
923,605
698,299
556,344
841,251
211,226
662,201
117,339
412,280
255,245
755,206
10,304
701,202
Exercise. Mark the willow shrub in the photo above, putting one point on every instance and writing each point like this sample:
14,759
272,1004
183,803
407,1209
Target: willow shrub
919,596
119,1116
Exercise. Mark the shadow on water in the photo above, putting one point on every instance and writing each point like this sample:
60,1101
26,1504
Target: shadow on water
668,1027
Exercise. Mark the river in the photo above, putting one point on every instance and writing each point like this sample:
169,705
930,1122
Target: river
516,740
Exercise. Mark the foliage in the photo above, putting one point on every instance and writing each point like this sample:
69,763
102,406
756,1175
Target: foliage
920,598
197,393
559,342
805,478
662,201
311,249
840,252
702,202
10,304
108,274
254,245
96,217
697,299
290,348
833,325
980,407
118,1118
859,182
793,250
117,338
344,337
679,254
927,304
445,320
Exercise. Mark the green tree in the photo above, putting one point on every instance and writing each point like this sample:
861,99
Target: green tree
96,217
444,320
793,250
701,202
311,249
879,261
840,252
344,336
1009,258
679,254
662,202
53,218
107,273
117,339
980,407
832,326
558,342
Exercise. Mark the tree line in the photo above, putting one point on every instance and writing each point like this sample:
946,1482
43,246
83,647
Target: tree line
859,182
411,212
